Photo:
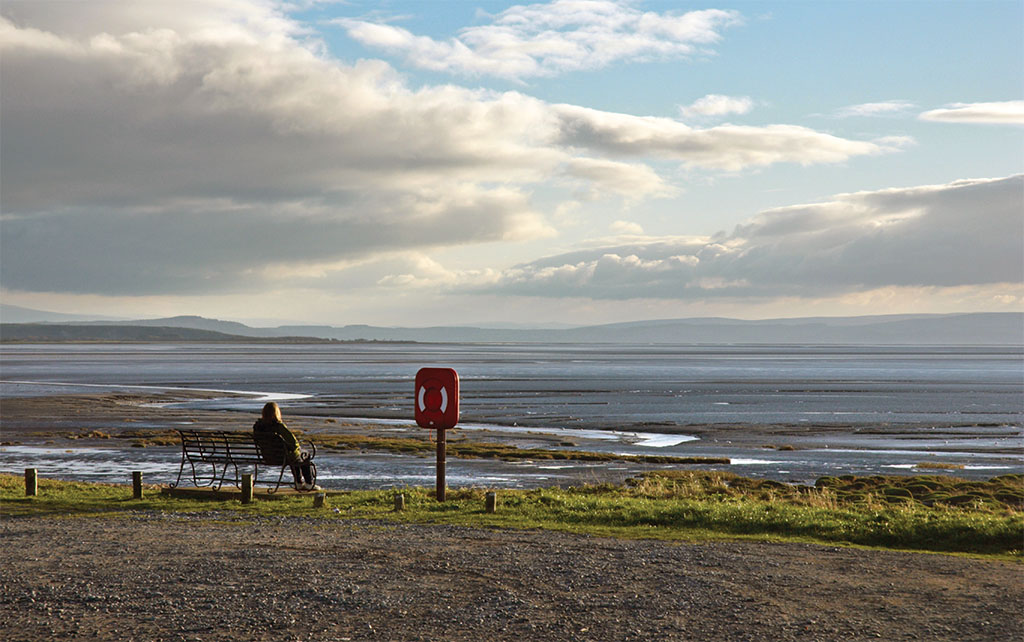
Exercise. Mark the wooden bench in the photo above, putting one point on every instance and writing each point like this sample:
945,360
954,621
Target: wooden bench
212,453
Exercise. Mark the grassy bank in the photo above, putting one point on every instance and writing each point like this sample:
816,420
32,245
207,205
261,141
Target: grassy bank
457,447
925,513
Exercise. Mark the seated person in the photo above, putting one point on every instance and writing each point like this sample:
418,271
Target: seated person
270,423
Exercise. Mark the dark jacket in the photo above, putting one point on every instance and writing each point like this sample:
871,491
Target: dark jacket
264,430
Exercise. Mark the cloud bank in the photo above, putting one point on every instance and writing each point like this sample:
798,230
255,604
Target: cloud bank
961,234
1010,112
551,39
149,150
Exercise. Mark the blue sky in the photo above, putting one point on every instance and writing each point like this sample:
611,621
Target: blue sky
576,161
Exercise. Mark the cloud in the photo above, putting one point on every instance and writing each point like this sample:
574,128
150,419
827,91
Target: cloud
149,149
965,233
717,105
1010,112
626,227
551,39
886,108
725,147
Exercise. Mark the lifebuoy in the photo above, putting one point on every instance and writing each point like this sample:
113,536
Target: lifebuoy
437,398
435,405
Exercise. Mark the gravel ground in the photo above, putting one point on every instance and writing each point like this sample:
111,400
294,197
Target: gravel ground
223,577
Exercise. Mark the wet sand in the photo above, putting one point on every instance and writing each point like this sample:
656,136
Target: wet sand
96,436
32,419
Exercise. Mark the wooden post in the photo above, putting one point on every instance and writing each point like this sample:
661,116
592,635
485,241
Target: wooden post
247,488
319,499
399,502
136,484
491,503
31,482
441,449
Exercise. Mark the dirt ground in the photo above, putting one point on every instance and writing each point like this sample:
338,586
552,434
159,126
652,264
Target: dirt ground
223,577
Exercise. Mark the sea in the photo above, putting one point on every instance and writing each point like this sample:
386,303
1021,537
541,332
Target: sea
853,409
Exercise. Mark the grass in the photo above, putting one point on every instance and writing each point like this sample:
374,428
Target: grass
460,448
935,465
923,513
480,450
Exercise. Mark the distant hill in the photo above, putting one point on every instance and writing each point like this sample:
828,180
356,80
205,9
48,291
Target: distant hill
18,314
55,332
955,329
916,329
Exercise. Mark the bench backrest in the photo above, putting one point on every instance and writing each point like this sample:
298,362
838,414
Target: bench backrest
271,448
224,445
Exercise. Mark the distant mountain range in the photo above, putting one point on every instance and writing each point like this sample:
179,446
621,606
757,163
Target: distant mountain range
995,328
78,333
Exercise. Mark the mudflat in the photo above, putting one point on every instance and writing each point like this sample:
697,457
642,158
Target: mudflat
39,418
217,576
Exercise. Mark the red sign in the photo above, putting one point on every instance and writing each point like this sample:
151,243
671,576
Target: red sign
437,398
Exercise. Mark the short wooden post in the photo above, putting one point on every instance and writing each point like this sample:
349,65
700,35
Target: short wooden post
319,499
246,488
31,482
491,502
399,502
136,484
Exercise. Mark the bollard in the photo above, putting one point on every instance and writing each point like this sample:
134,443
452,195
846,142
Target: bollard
136,484
31,482
491,504
319,499
399,502
247,488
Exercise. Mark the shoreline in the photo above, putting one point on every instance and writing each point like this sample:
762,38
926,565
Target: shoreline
61,429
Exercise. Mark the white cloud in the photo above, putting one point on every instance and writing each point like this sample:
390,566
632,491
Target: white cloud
966,233
886,108
725,147
550,39
626,228
717,105
630,180
1010,112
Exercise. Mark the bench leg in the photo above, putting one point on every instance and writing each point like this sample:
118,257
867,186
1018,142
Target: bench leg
223,476
181,469
279,478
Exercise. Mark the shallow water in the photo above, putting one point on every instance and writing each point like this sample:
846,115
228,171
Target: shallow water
600,386
615,398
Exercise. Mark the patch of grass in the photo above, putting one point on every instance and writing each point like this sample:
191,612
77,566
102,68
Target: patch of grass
464,449
935,465
980,518
480,450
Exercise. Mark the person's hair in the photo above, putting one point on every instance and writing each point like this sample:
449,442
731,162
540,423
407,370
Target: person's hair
271,411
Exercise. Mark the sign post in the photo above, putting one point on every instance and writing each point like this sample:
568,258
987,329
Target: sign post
437,408
442,454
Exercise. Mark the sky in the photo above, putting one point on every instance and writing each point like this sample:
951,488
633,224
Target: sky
417,163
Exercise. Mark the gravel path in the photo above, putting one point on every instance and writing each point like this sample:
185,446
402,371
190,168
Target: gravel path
224,577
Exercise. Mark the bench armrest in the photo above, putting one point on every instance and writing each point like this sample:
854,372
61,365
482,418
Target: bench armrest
310,451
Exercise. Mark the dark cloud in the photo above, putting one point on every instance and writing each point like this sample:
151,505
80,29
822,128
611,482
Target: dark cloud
964,233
